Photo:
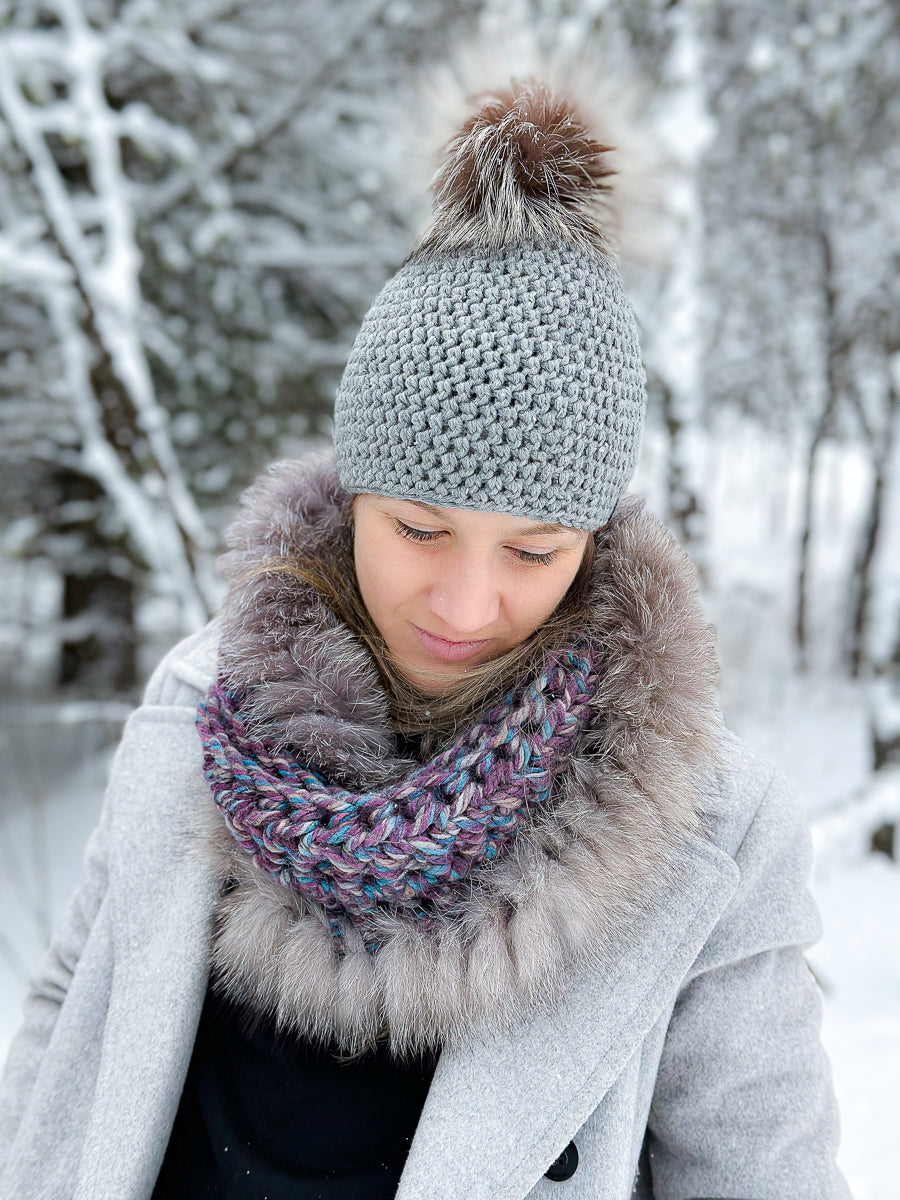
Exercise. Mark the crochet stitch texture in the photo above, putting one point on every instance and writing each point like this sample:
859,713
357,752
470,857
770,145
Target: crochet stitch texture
412,842
508,382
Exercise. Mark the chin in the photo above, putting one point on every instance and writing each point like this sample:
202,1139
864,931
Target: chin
433,685
431,679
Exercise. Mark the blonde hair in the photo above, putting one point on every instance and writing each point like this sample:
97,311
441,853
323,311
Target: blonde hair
415,713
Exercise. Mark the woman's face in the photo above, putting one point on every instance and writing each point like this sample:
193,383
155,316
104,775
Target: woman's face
450,589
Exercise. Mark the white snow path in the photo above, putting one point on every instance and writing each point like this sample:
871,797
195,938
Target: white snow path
52,790
858,964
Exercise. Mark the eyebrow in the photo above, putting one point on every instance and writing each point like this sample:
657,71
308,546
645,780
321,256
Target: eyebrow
533,530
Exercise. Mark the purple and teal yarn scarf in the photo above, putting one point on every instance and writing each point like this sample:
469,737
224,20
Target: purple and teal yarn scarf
409,844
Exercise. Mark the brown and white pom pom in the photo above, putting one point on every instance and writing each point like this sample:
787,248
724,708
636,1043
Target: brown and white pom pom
525,167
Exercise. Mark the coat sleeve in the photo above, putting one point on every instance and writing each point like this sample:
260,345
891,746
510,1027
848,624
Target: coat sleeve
744,1104
82,918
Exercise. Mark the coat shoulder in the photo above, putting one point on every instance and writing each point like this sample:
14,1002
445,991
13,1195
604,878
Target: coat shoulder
748,788
758,820
185,673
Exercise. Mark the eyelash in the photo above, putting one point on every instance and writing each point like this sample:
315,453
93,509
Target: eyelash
427,535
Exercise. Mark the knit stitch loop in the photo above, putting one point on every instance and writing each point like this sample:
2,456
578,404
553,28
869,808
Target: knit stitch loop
412,842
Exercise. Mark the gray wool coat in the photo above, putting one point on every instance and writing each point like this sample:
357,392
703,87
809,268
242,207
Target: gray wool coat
685,1064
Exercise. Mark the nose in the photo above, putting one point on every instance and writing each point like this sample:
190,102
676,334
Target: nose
466,598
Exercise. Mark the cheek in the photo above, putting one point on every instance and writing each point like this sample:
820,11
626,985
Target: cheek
369,578
534,602
385,578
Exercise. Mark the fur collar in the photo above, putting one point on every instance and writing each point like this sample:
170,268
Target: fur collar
575,873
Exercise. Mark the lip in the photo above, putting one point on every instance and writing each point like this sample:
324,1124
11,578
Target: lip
447,650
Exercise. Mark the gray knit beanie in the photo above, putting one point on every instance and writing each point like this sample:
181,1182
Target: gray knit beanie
499,370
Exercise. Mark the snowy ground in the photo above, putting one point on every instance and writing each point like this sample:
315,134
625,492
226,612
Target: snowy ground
858,964
53,781
813,725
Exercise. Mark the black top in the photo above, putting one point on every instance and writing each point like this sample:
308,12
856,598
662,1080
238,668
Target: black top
265,1117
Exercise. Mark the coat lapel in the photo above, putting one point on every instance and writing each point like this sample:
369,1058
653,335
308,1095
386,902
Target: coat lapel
499,1113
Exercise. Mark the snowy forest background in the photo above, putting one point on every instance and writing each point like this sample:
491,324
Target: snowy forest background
198,201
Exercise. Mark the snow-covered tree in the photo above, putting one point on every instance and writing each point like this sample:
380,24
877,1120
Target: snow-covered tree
198,201
802,232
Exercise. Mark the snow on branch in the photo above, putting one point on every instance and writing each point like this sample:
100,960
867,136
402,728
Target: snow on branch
251,135
106,286
151,526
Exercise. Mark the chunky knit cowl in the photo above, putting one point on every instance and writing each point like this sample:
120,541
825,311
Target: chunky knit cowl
414,844
506,930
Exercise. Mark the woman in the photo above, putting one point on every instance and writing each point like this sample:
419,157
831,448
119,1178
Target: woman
464,890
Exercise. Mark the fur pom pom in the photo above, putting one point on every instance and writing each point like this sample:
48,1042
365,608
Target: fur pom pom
525,167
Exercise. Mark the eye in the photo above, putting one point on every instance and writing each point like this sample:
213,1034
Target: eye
429,535
416,535
542,560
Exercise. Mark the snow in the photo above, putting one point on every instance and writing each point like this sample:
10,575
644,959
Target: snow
858,965
52,790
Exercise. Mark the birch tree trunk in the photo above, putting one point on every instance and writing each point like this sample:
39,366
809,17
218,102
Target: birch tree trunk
676,354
